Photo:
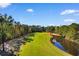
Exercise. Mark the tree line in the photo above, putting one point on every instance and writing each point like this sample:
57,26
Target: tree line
10,29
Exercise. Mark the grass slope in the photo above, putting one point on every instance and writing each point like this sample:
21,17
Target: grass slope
41,46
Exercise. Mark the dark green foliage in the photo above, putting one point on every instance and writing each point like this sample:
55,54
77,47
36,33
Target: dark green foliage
28,39
12,29
31,34
50,29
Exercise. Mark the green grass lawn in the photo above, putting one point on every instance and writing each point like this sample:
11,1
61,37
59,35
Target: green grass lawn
41,46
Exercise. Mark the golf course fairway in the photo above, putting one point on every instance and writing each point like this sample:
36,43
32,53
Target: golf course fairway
41,46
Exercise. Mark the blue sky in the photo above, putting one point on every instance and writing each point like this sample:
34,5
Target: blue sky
44,14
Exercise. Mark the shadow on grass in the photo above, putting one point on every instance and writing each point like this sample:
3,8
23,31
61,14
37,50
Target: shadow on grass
31,35
29,39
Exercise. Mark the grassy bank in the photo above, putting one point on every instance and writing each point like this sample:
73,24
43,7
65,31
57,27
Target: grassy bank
41,46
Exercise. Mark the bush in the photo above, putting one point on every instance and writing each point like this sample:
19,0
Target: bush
8,36
28,39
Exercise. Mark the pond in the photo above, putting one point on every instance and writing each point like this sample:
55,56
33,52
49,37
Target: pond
58,45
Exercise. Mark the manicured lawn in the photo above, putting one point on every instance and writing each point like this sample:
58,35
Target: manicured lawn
41,46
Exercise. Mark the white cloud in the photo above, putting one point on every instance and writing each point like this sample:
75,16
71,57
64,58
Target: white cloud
54,24
29,10
3,5
69,11
69,20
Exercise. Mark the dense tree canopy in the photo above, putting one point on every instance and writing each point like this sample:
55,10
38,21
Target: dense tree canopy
10,29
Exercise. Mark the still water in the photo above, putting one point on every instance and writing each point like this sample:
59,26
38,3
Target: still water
57,44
